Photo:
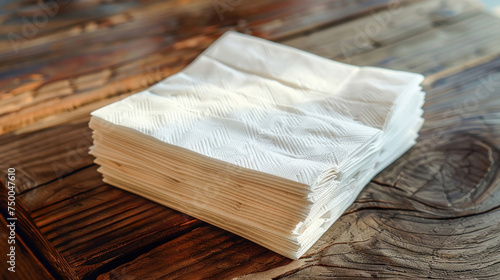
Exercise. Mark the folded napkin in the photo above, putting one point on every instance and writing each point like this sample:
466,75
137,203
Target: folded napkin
263,140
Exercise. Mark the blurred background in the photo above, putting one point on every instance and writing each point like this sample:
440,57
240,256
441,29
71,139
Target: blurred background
434,213
493,5
58,56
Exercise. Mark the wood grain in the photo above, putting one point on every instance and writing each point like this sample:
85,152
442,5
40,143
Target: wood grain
386,27
46,155
432,214
70,63
28,266
453,45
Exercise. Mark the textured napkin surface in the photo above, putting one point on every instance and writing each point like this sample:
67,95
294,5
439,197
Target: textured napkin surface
277,142
267,107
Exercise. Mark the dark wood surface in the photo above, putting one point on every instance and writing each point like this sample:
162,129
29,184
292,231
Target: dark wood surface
434,213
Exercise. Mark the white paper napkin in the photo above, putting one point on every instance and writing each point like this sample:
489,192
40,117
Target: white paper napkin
276,111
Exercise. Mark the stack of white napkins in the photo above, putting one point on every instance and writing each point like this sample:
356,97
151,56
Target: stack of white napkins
263,140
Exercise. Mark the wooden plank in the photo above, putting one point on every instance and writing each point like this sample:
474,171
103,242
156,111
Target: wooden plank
46,155
31,233
416,218
204,253
28,266
60,14
452,45
383,28
93,226
31,101
162,36
78,115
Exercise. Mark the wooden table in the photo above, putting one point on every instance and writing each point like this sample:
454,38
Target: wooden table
435,213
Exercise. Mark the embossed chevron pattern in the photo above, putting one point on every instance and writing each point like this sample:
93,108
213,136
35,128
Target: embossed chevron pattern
260,139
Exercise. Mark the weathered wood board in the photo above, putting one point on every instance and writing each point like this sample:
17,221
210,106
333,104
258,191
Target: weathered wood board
432,214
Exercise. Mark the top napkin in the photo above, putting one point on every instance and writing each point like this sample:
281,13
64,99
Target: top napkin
267,107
